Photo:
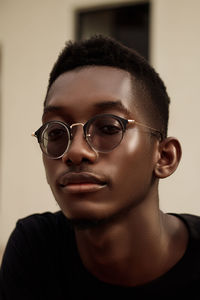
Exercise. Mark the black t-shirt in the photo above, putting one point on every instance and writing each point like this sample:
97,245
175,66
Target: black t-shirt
41,261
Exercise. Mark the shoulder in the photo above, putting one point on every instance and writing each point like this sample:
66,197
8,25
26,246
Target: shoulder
46,219
37,231
42,221
192,223
42,227
34,255
42,217
37,238
189,219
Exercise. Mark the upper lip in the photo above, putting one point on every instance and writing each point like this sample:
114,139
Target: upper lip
82,177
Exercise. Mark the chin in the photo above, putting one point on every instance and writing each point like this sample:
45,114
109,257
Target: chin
85,219
91,221
84,208
85,224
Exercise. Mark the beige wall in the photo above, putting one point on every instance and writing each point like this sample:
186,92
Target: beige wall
31,35
176,56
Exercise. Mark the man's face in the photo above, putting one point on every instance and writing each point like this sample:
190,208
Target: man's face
125,174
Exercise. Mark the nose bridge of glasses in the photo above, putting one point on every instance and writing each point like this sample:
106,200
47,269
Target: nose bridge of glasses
75,125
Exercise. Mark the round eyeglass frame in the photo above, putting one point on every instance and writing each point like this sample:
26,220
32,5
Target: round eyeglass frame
122,121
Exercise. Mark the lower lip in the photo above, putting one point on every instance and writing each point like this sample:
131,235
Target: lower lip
77,188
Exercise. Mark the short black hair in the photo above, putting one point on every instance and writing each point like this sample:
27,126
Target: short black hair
105,51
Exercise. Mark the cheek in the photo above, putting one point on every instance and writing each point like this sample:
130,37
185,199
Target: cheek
46,168
134,159
50,169
132,143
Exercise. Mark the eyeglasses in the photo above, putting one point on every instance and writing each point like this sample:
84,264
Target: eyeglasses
103,133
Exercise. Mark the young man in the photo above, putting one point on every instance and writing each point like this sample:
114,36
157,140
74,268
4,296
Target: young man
105,147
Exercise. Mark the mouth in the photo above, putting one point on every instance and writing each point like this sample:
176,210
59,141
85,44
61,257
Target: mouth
83,182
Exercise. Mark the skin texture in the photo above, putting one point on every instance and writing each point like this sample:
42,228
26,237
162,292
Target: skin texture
135,242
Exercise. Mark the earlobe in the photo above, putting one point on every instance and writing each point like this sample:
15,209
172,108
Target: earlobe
168,158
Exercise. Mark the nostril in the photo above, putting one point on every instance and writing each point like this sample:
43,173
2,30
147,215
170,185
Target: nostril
70,162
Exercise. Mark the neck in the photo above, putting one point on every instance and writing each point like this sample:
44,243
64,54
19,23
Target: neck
134,249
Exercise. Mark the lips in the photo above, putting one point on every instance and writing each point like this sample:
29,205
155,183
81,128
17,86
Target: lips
82,182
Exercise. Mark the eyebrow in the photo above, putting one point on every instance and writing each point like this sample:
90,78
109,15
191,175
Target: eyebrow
51,108
97,106
112,105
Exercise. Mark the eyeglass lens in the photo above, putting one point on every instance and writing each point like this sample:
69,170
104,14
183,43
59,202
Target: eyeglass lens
55,139
103,134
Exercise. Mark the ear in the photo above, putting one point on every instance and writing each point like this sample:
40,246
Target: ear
168,157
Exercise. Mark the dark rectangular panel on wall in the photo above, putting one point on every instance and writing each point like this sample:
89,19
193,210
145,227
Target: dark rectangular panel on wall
126,23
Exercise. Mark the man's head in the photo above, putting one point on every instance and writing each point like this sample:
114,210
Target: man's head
98,77
103,51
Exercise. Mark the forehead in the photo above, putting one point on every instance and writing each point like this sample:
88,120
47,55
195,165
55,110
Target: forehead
80,91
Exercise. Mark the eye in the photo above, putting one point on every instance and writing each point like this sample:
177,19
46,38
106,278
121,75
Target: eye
105,126
54,134
109,129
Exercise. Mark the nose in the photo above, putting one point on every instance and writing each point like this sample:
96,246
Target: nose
79,150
